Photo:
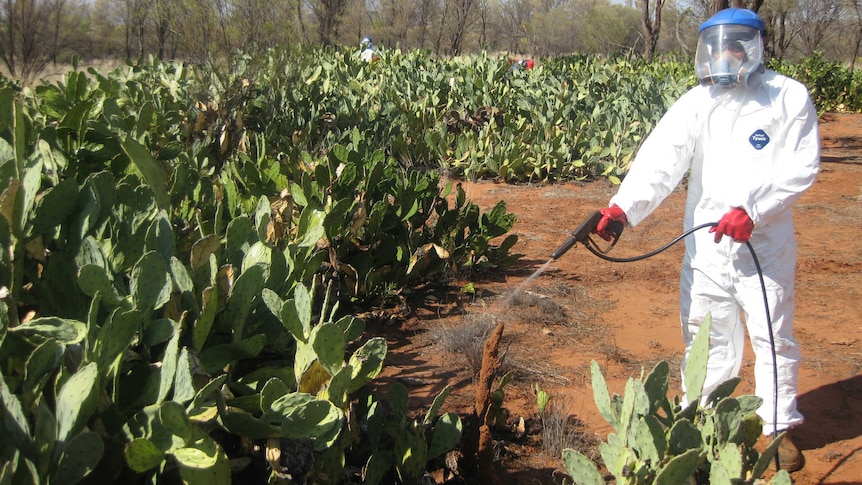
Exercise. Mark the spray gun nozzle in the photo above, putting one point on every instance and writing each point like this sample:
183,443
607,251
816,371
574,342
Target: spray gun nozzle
570,242
582,234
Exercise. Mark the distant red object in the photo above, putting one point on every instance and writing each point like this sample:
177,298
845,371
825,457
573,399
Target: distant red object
521,64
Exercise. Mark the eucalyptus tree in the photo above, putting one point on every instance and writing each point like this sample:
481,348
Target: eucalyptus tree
32,34
557,28
683,24
853,11
396,19
328,16
781,29
707,8
713,6
515,18
458,18
484,23
607,28
818,21
57,20
134,14
261,23
360,19
104,39
199,32
427,10
163,25
651,11
70,32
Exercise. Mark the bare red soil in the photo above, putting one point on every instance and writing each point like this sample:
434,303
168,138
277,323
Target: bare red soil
625,316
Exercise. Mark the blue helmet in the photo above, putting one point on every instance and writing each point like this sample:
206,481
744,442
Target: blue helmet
735,16
730,49
366,42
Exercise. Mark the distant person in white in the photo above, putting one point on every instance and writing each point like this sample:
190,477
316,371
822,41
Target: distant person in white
368,53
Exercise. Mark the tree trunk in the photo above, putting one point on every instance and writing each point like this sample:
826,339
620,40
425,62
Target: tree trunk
463,9
163,26
858,10
58,20
651,25
439,40
328,14
29,40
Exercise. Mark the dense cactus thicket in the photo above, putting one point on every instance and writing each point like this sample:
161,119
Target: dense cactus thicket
188,249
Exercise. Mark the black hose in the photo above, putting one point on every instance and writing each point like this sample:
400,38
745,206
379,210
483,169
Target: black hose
771,347
588,243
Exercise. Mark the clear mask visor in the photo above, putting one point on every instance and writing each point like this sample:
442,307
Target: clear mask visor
728,54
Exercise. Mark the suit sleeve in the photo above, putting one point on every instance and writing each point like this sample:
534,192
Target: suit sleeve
661,162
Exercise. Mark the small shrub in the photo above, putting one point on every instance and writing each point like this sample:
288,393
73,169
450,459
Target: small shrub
561,429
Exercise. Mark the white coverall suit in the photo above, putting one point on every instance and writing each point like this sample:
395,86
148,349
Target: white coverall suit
756,148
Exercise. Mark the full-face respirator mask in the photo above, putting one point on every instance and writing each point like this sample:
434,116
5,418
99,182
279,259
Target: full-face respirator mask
730,49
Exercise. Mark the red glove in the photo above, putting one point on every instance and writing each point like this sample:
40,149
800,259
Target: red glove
609,214
735,224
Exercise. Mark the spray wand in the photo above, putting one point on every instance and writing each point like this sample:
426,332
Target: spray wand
582,235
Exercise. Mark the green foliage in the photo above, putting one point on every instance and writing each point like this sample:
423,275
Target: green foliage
393,227
184,246
415,441
542,398
832,86
178,279
571,118
709,440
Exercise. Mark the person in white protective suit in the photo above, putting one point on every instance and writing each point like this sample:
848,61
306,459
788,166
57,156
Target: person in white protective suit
367,51
749,138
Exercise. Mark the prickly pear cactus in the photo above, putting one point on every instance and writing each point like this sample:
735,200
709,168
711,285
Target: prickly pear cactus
695,368
656,442
414,442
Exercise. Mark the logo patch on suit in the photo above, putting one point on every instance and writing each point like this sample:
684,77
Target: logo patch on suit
759,139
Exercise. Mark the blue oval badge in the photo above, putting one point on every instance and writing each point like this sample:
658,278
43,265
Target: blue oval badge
759,139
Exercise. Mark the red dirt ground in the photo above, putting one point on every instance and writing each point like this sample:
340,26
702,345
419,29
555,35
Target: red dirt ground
624,316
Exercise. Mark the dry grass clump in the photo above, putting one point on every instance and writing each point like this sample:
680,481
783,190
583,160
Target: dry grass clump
466,343
538,307
557,304
466,340
613,352
561,429
570,307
